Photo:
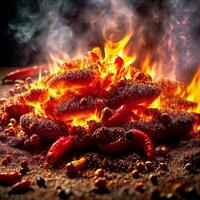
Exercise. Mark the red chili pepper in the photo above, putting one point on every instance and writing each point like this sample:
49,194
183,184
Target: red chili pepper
121,115
145,142
10,178
20,187
58,149
49,108
113,147
25,72
119,62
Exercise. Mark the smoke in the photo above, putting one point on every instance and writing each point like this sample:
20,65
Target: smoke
165,30
186,23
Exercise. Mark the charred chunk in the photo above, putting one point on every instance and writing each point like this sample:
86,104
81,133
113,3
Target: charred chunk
128,91
73,77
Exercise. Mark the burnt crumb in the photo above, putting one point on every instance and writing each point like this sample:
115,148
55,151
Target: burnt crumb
135,173
41,182
24,171
154,179
63,193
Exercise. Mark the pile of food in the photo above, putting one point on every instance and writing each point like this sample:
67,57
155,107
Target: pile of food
96,103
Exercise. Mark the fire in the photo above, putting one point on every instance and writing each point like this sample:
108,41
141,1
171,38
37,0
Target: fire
111,65
193,90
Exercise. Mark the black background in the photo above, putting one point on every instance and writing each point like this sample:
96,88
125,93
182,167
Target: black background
11,53
8,44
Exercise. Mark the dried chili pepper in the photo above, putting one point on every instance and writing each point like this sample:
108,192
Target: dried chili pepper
24,73
145,142
10,178
119,62
20,187
80,163
58,149
120,115
113,147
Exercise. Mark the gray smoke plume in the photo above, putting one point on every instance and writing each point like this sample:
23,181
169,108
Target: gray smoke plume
168,30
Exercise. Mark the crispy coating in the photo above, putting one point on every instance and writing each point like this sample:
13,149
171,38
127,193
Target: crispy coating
132,92
46,129
75,107
72,78
74,104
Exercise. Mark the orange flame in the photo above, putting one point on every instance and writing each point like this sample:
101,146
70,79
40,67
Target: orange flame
193,90
112,65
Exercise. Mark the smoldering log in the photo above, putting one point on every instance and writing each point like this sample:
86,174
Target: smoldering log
132,92
46,129
75,77
177,103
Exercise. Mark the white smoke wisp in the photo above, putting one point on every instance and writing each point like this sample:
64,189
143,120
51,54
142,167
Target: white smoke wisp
162,30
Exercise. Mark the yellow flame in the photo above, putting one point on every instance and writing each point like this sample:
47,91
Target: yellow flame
193,90
37,108
114,64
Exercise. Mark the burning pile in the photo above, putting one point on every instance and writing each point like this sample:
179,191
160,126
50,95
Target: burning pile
102,102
